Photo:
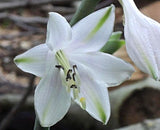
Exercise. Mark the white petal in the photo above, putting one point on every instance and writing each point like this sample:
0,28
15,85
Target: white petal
94,95
129,6
51,99
92,32
58,31
142,39
34,60
105,67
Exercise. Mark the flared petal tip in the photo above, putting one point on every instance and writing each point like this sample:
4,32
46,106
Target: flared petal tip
15,60
105,118
53,14
105,121
112,6
46,124
20,60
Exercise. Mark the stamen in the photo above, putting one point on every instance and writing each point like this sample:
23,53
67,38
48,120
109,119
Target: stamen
62,60
68,75
83,102
59,67
75,93
73,86
74,67
73,76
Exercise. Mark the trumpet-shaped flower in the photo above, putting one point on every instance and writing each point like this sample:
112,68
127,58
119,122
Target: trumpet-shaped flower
142,35
70,66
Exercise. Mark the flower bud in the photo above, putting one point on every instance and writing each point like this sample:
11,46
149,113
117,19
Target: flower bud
142,35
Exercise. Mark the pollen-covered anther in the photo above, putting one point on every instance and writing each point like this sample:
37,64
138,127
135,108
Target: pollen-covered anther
74,68
59,67
68,77
73,76
73,86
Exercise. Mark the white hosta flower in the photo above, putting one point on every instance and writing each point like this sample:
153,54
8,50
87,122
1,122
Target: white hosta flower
142,36
71,66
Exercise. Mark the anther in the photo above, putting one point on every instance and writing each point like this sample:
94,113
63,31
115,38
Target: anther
59,67
73,86
73,76
68,75
74,67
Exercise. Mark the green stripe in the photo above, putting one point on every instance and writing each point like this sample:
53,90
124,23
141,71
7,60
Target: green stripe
101,111
149,65
24,60
99,24
150,68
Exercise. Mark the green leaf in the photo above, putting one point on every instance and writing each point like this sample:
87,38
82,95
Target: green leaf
116,35
113,44
86,7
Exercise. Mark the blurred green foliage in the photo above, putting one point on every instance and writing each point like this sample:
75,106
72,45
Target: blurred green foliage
114,43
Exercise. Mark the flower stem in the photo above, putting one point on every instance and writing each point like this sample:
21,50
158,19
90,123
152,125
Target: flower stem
86,7
37,125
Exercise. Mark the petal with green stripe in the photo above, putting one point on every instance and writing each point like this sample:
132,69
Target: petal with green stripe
92,32
93,96
34,60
